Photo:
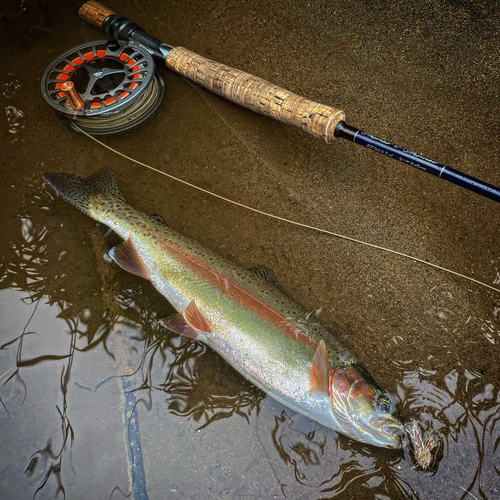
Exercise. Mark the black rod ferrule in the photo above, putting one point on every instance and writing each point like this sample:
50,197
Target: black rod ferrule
345,131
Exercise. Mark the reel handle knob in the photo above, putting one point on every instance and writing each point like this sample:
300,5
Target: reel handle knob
72,96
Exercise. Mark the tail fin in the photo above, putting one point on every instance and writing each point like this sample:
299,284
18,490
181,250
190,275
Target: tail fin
78,191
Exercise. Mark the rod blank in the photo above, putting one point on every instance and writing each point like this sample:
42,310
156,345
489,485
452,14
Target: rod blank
418,161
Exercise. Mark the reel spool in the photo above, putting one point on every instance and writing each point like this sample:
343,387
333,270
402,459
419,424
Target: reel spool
104,86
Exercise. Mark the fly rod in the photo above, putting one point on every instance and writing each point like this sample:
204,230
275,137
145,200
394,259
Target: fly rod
261,96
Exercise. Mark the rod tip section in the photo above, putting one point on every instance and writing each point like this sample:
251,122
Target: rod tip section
95,13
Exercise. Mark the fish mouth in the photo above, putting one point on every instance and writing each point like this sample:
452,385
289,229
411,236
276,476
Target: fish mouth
388,430
385,431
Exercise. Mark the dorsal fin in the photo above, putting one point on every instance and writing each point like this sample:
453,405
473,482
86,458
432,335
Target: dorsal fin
319,370
127,257
159,219
267,274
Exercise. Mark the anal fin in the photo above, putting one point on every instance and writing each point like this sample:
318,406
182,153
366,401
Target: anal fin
125,254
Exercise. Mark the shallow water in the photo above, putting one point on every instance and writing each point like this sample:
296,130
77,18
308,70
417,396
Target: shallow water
99,401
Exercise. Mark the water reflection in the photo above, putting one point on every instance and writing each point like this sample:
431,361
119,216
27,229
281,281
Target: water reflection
311,461
81,352
465,409
10,88
122,322
176,367
15,118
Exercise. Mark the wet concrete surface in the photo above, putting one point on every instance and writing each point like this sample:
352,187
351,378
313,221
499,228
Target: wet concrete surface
98,401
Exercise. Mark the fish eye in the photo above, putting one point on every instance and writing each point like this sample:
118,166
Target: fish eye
384,404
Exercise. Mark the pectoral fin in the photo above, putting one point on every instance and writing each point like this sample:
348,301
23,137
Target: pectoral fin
127,257
319,370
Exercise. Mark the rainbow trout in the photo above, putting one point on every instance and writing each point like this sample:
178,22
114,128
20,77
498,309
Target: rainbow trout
256,328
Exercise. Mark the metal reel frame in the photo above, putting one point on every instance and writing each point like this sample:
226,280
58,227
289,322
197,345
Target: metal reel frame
108,75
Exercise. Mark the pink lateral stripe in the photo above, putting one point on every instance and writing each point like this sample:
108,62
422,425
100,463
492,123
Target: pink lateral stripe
245,297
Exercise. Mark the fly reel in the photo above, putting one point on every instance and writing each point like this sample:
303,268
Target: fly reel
104,87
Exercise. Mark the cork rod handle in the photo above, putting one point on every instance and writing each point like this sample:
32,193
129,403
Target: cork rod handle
239,87
257,94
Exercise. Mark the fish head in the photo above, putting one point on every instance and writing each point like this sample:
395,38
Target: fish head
363,409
